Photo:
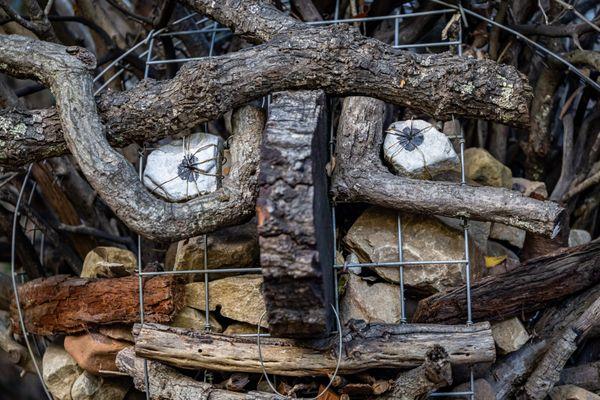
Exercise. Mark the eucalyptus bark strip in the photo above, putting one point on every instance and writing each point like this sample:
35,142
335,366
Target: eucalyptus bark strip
65,305
374,346
360,177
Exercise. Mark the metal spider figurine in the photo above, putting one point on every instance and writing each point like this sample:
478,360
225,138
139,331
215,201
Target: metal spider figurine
409,138
187,169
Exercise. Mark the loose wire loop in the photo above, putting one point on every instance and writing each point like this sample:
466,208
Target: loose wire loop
337,366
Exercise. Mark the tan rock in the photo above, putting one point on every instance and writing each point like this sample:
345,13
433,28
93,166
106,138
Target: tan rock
233,247
108,262
572,392
483,168
59,371
240,328
509,335
94,352
237,297
509,234
529,188
191,318
374,238
118,332
372,303
92,387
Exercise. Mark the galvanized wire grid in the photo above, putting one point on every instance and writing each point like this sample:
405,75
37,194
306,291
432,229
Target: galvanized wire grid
214,33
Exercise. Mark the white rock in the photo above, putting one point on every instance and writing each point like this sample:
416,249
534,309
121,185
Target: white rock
509,335
372,303
185,168
91,387
507,233
578,237
60,371
420,152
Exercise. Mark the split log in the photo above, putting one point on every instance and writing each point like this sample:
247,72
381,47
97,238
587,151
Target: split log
435,373
528,288
360,176
562,346
294,218
374,346
61,304
166,383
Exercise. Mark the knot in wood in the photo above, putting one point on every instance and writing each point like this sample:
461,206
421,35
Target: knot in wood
83,55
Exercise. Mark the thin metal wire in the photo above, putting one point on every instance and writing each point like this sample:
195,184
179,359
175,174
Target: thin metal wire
337,366
13,250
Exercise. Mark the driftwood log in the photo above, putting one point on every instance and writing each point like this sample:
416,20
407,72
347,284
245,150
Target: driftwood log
375,346
360,176
530,287
61,304
294,218
166,383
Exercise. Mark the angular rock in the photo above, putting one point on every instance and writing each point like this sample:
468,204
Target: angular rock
572,392
94,352
504,259
374,237
108,262
417,149
509,335
59,371
118,332
233,247
479,231
240,328
185,168
91,387
509,234
372,303
236,297
534,189
483,168
191,318
578,237
483,390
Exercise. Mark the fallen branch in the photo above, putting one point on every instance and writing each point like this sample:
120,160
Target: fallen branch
435,373
528,288
61,304
360,176
562,346
375,346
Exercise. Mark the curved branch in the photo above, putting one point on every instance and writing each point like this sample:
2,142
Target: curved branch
439,85
66,71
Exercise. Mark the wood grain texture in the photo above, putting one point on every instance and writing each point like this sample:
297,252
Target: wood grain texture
528,288
166,383
61,304
375,346
361,177
294,218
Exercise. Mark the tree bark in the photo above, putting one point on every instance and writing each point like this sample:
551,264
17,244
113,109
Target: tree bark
375,346
166,383
61,304
528,288
294,218
435,373
586,376
360,176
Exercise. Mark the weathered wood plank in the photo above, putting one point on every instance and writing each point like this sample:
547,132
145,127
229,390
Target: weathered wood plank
374,346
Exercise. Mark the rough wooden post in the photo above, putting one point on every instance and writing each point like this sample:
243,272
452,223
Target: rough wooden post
294,219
